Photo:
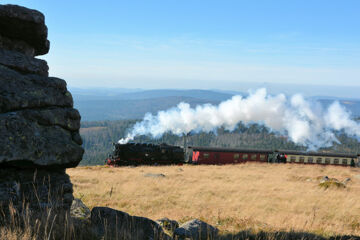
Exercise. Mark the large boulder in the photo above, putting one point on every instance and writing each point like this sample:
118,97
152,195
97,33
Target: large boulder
114,224
196,230
25,24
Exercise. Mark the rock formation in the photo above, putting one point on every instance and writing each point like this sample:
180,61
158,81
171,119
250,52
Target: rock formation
39,127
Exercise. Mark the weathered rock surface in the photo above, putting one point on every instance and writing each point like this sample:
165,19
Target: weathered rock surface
39,128
25,24
23,63
196,229
113,224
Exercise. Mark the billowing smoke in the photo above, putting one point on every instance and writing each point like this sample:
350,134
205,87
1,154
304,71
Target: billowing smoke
304,122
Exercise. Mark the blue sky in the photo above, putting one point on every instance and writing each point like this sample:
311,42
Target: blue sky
202,44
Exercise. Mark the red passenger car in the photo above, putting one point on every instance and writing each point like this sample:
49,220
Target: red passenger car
210,155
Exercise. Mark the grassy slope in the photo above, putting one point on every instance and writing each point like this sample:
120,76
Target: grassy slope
232,197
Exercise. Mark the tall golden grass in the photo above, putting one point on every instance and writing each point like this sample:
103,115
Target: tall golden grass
253,197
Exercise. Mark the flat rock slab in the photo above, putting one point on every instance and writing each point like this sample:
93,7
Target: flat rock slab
24,24
113,224
25,143
17,46
18,91
23,63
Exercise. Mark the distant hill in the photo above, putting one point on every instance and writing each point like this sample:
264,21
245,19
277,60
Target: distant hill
116,104
351,105
113,109
119,104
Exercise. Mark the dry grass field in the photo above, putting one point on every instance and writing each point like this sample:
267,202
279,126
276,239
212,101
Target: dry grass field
255,197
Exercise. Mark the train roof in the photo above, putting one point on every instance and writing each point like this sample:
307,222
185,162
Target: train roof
290,152
218,149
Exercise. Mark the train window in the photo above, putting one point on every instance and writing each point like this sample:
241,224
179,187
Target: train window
245,156
293,158
310,159
336,161
236,156
206,155
253,156
318,160
301,159
327,160
345,161
262,157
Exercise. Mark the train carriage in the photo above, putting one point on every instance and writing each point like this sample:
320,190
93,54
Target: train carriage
340,159
212,155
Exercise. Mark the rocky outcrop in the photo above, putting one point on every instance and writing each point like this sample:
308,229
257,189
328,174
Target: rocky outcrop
39,128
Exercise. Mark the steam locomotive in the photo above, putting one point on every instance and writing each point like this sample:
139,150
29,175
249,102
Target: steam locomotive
163,154
145,154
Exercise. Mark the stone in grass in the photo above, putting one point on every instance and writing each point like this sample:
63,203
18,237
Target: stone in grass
168,224
155,175
196,230
113,224
79,210
332,183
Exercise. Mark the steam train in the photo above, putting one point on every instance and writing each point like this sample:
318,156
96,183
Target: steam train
163,154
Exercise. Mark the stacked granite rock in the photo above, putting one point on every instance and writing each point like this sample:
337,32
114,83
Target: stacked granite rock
39,128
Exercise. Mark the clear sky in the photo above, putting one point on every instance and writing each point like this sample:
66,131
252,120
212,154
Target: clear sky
202,43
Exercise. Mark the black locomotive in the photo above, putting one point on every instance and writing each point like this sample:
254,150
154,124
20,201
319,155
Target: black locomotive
145,154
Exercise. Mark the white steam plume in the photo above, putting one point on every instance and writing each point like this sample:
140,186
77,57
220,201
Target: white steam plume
304,122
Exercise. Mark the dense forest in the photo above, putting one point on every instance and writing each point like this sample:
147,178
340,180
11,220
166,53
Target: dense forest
98,138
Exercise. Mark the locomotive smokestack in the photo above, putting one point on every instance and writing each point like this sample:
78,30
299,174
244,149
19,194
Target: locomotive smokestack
185,140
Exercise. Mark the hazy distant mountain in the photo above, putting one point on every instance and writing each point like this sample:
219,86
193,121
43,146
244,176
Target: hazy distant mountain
115,104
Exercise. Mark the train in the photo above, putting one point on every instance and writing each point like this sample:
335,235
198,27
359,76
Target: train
134,154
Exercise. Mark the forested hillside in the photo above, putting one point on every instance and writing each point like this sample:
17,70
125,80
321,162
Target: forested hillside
99,136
